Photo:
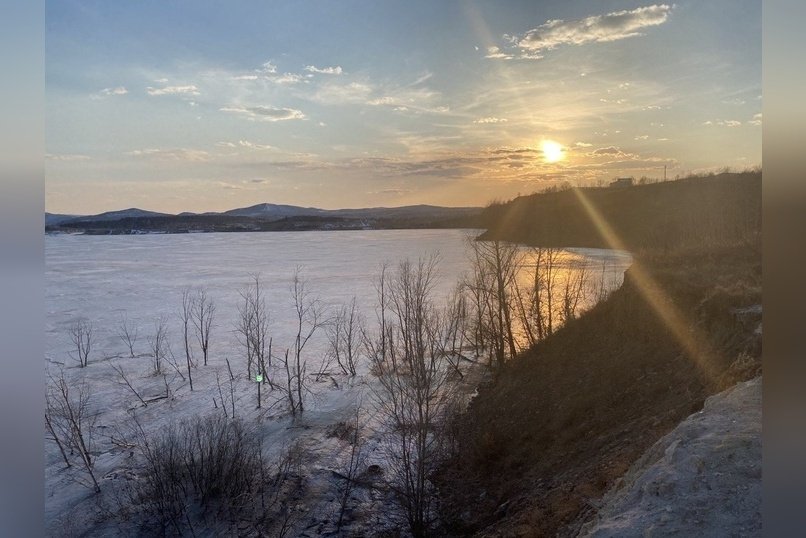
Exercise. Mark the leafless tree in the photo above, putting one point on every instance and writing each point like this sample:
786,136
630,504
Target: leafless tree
124,380
353,464
186,315
252,328
414,387
308,320
82,334
495,268
53,435
574,289
344,335
202,315
127,332
159,344
537,302
71,418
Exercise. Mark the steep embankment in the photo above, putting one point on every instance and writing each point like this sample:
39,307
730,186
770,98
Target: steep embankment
564,421
701,479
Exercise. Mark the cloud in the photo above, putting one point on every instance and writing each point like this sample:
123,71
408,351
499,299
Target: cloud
583,145
67,157
612,26
252,145
490,120
334,70
287,78
189,89
596,29
338,93
609,151
496,53
265,113
108,92
269,67
179,154
642,137
723,123
756,119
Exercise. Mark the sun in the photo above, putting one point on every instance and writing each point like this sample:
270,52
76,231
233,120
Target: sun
552,151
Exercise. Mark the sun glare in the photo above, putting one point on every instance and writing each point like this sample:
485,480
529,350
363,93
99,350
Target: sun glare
552,151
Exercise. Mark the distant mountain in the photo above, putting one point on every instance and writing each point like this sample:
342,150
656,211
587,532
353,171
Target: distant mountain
266,217
277,211
54,219
131,213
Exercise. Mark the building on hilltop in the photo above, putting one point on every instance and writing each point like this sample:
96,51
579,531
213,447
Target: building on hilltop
621,182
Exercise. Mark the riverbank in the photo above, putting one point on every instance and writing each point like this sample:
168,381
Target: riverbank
567,419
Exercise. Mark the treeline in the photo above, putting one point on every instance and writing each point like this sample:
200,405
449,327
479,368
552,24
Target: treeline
694,211
230,223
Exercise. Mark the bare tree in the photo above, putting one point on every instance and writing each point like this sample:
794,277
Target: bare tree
159,344
53,435
352,465
574,289
127,332
344,335
186,314
69,414
252,328
495,268
124,380
308,310
82,334
413,388
202,315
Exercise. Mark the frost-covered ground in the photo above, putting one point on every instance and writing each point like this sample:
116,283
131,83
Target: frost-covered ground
101,278
701,479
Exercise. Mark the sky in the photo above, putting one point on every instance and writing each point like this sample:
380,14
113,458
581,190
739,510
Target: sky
208,106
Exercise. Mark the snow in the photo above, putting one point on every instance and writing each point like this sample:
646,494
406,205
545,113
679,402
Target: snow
701,479
102,277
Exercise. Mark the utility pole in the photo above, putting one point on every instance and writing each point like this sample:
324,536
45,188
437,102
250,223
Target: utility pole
664,172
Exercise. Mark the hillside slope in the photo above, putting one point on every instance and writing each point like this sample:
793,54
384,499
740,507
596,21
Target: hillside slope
723,209
563,421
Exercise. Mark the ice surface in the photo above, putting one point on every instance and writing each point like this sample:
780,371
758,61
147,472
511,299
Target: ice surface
102,277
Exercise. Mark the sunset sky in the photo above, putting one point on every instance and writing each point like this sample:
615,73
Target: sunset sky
208,106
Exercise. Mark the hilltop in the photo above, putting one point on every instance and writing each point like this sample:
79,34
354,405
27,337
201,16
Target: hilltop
718,209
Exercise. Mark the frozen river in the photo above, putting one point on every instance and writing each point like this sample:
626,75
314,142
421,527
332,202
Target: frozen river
102,277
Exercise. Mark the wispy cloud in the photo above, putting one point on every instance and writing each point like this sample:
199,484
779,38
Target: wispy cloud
490,119
723,123
178,154
605,28
610,151
756,119
334,70
189,89
496,53
109,92
252,145
596,29
265,113
66,157
337,93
